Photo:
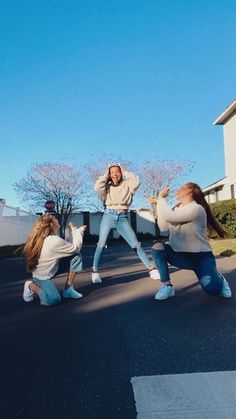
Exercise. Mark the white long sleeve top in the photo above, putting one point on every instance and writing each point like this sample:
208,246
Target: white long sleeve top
186,225
117,197
54,248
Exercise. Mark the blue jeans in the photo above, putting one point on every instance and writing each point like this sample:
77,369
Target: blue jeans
49,293
202,263
119,221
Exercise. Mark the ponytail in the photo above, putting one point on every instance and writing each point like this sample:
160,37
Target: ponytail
199,197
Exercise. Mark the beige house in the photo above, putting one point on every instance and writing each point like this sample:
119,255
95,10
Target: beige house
225,188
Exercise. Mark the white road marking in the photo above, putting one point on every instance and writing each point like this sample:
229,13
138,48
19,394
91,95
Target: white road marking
209,395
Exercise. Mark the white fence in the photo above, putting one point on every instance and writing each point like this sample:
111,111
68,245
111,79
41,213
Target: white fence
15,225
144,222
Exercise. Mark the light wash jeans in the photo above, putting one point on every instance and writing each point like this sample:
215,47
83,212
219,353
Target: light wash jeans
49,294
119,221
202,263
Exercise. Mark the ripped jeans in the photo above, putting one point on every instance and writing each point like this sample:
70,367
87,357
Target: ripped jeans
202,263
119,221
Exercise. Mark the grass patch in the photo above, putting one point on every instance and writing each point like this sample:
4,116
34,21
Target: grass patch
225,247
11,251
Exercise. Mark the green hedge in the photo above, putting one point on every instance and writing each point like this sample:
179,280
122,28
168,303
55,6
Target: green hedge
225,213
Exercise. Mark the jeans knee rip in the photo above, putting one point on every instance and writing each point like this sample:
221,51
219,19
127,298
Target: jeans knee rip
205,280
158,246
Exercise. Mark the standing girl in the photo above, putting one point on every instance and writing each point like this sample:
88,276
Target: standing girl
43,251
188,246
116,188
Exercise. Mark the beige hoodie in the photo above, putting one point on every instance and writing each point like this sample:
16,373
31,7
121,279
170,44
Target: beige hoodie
54,248
187,226
117,197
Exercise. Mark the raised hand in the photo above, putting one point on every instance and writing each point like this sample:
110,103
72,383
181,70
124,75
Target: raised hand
152,200
164,192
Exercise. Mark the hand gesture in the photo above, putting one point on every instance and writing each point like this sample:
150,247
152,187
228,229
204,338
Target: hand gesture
164,192
72,225
152,200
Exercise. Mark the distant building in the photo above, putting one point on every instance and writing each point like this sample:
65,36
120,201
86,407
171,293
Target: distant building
225,188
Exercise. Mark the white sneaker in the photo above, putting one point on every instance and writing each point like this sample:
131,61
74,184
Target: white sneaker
28,294
96,279
226,291
154,274
165,292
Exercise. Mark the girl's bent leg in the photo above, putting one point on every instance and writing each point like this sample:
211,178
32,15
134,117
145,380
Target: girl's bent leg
162,254
48,294
75,266
210,280
159,255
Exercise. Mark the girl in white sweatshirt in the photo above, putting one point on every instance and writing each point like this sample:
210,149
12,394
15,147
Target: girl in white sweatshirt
188,246
43,251
116,188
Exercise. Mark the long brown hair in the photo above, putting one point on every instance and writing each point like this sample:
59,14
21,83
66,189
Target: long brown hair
199,197
43,227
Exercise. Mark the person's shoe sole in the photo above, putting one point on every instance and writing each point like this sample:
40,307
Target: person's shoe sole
26,298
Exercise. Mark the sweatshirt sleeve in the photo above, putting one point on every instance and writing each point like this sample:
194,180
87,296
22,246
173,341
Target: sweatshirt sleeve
162,223
65,248
132,181
100,186
184,214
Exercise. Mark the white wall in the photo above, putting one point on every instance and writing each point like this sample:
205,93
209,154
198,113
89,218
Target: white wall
230,148
15,225
145,222
78,219
223,194
95,221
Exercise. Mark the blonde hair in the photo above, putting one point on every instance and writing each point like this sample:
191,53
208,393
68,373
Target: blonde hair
44,227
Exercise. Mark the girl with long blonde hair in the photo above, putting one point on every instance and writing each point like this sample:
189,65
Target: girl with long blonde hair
45,253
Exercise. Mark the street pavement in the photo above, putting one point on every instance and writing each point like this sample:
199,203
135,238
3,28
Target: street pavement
113,354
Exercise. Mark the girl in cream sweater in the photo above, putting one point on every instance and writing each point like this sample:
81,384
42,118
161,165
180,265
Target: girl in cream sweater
188,246
44,250
116,188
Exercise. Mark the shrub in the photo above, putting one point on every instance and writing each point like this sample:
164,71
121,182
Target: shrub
225,213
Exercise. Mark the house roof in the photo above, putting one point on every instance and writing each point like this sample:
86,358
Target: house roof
226,114
218,185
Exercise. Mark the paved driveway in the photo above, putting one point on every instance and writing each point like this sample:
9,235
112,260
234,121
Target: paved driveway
78,360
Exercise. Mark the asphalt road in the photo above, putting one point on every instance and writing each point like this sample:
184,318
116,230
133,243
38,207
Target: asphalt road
76,360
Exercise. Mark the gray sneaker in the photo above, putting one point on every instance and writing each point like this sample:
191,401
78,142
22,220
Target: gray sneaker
165,292
71,293
226,291
96,279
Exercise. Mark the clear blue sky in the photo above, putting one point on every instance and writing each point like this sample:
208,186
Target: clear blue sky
132,77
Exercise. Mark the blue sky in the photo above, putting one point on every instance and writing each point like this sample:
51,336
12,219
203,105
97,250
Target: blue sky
137,78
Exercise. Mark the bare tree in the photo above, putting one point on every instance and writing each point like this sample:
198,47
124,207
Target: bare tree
58,182
156,174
